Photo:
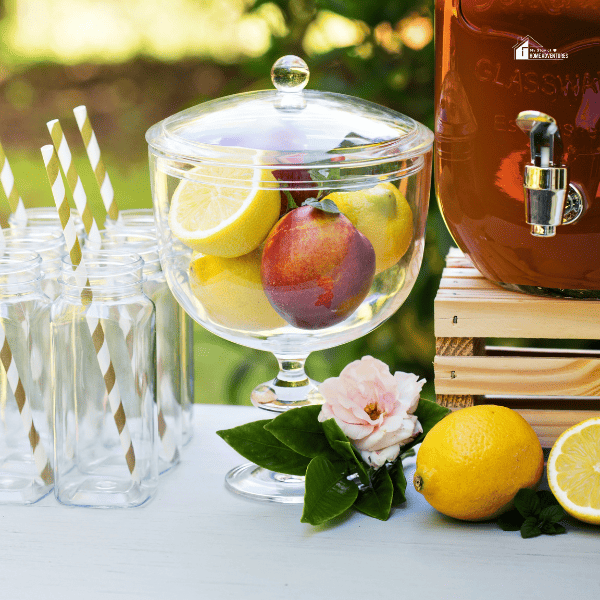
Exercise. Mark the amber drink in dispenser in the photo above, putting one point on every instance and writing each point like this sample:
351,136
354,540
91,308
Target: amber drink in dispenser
517,160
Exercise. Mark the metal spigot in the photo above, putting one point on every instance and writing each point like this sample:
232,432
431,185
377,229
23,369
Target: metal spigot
549,199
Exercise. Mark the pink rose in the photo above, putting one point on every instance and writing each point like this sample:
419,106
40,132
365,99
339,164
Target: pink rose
373,408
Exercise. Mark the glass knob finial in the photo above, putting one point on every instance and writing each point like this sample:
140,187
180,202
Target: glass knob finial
290,74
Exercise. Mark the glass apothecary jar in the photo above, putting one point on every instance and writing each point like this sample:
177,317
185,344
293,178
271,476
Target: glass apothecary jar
290,220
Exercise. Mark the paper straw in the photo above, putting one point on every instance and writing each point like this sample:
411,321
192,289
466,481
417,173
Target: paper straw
51,163
93,151
74,182
40,457
8,184
164,431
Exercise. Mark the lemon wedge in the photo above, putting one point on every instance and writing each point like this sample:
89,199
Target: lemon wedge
574,470
222,220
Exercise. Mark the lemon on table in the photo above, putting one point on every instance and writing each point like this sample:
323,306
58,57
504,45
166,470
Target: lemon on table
574,470
231,291
473,462
215,219
383,216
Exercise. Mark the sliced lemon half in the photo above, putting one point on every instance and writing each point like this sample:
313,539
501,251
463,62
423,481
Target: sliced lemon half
220,219
574,470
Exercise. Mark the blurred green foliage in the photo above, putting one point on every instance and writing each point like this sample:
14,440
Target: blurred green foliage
125,99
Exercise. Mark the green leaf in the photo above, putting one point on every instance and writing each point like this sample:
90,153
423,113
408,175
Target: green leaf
376,500
558,529
399,482
326,205
300,430
528,503
430,413
345,450
552,514
290,200
328,493
546,498
511,520
530,528
256,444
339,442
333,431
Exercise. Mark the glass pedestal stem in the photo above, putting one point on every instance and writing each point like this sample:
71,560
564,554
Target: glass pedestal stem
291,388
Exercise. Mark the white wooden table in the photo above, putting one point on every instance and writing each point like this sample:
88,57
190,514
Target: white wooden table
197,540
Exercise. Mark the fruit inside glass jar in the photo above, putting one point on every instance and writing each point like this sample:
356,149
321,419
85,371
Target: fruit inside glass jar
324,259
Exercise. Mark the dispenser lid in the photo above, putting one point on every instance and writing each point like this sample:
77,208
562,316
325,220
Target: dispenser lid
290,126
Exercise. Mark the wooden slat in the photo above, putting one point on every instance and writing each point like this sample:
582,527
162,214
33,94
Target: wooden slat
549,424
458,347
471,272
479,375
516,316
548,352
467,283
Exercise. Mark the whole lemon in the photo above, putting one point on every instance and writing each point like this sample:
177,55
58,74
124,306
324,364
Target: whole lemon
231,292
383,216
473,462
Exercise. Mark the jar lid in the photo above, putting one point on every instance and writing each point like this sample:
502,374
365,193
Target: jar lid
293,128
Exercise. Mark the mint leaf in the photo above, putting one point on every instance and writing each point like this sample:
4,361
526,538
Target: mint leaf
528,503
398,479
376,500
546,498
328,493
552,528
552,514
511,520
258,445
300,430
530,528
326,205
290,200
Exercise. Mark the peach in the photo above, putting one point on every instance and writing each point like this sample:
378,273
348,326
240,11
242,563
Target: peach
316,268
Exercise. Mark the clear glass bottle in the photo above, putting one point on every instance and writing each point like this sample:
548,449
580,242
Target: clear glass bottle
168,343
46,216
26,469
142,220
103,351
49,243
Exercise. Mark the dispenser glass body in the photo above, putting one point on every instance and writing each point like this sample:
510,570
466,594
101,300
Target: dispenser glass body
496,59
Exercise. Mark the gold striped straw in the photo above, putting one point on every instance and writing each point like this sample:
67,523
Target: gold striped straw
51,162
74,182
10,189
42,464
93,151
167,437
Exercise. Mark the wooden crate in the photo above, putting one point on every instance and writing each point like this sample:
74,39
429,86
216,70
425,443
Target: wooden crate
552,388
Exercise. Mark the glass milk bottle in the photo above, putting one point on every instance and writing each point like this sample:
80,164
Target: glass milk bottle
142,220
49,243
168,363
103,346
26,471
